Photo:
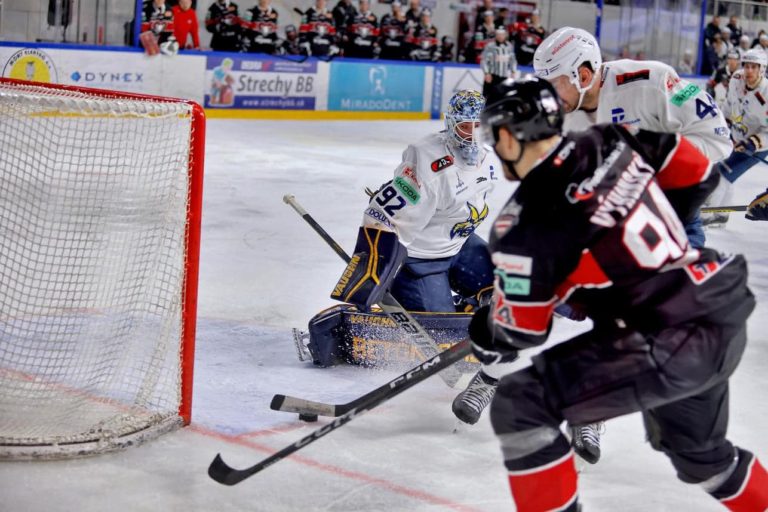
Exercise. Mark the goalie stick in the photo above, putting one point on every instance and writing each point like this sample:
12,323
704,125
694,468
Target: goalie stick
425,344
225,474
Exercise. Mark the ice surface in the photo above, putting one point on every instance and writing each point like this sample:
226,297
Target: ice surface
263,271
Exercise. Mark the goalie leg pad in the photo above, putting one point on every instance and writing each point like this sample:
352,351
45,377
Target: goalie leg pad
327,336
377,258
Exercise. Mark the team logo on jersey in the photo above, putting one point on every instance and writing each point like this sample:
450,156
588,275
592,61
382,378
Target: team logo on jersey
442,163
409,173
466,228
507,219
627,78
688,92
617,115
408,189
702,272
584,190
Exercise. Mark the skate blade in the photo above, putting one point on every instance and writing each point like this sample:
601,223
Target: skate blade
300,341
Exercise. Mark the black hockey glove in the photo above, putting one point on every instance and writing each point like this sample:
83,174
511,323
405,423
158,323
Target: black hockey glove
483,346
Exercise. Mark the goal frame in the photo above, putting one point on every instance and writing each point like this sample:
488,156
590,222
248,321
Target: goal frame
192,233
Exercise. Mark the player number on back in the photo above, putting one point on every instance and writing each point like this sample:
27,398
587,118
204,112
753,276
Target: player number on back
654,240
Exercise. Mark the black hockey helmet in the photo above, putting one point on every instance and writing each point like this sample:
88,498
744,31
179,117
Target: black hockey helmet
529,108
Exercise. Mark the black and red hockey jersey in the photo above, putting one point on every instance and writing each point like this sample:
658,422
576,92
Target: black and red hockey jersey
597,224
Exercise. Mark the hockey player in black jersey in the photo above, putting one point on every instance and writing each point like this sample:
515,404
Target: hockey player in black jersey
596,222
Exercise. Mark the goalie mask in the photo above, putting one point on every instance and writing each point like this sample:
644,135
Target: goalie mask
461,117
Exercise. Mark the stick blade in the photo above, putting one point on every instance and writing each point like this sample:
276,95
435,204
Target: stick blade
223,473
287,403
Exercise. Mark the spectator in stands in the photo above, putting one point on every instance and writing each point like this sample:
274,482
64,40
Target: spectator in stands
393,32
762,42
528,37
157,17
687,66
714,55
725,32
413,14
485,32
425,28
487,5
712,28
735,28
447,49
343,14
502,17
291,44
223,21
185,25
756,40
498,61
259,26
743,44
717,86
365,15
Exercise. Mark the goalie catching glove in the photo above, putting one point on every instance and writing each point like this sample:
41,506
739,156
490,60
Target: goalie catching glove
375,262
483,346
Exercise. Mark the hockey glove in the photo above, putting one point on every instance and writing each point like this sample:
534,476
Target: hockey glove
571,312
749,146
483,346
375,262
758,208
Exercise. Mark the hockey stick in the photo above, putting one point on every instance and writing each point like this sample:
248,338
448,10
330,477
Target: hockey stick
421,338
724,209
224,474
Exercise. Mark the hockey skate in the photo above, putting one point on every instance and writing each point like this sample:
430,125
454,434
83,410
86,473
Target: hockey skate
301,343
585,440
469,404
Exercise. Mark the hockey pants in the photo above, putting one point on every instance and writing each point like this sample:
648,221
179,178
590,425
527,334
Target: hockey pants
678,376
426,285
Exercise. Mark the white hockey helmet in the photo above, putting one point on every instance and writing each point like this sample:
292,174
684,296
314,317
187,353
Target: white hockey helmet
563,52
756,56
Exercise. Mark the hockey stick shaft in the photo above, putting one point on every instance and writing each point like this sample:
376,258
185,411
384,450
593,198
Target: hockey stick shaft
225,474
723,209
420,337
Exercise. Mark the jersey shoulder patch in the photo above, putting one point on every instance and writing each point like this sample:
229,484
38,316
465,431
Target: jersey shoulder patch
441,163
635,76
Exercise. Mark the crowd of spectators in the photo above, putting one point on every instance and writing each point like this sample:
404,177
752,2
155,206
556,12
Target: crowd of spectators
724,46
348,29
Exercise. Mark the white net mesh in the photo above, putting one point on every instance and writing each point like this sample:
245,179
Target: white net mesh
93,214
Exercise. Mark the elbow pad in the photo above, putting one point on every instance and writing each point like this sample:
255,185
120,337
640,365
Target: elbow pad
377,257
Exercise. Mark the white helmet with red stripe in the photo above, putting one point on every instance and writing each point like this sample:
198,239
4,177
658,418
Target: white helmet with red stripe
563,52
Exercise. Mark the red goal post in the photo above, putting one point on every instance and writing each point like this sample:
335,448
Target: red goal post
100,214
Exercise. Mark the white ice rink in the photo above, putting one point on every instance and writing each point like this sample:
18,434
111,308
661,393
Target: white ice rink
263,271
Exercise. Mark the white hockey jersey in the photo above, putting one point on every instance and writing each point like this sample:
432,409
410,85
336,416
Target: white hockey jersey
435,201
748,109
651,96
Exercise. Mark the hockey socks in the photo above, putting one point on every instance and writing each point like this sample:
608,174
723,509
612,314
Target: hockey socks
752,494
552,487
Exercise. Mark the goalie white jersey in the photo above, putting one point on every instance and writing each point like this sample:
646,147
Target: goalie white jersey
435,200
748,109
650,95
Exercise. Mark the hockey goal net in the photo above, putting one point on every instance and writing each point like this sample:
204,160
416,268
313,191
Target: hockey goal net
100,198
